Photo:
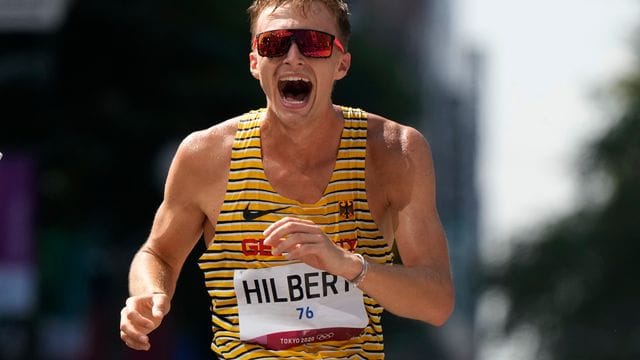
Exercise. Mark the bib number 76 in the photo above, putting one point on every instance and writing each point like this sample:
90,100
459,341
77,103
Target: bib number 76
304,312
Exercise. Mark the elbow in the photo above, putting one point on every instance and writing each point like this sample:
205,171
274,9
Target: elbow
443,314
444,309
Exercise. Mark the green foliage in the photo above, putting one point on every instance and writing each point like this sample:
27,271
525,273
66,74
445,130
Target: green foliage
576,281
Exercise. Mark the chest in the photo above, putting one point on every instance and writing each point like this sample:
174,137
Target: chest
303,184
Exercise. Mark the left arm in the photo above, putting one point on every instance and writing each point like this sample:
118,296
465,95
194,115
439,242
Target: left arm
421,288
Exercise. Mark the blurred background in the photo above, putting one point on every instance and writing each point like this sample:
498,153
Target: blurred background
532,110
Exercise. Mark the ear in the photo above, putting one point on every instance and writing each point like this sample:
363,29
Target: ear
343,66
253,65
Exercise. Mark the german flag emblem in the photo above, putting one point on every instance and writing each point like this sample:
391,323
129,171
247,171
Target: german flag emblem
346,209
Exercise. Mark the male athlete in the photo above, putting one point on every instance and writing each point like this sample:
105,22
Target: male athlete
299,205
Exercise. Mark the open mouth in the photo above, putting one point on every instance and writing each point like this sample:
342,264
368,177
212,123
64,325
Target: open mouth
295,89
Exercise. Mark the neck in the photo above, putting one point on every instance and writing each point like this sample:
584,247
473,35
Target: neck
304,142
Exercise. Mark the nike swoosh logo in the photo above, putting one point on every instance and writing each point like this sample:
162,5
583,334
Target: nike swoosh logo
250,215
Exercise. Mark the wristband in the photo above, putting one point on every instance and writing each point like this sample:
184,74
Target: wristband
363,273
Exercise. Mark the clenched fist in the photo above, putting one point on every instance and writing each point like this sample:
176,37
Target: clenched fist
141,315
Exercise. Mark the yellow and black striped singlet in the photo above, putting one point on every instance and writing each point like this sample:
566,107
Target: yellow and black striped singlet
251,205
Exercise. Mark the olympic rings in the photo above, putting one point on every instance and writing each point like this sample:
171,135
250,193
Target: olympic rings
325,336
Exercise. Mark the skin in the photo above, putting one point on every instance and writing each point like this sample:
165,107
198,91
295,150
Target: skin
299,146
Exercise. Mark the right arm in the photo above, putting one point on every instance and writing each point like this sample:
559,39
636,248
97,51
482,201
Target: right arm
178,224
176,229
154,272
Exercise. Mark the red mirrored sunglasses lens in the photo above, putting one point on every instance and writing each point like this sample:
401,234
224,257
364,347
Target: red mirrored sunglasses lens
274,43
314,43
311,43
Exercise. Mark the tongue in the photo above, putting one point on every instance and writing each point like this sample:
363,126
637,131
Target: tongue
296,91
298,97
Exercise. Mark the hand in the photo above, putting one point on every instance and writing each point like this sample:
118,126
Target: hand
303,240
140,316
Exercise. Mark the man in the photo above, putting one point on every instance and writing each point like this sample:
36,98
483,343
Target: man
299,205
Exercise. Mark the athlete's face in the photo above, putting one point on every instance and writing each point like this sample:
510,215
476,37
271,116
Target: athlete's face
297,86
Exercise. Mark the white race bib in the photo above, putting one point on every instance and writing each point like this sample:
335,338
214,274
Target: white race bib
290,305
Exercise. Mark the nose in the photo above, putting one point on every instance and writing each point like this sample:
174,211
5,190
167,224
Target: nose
294,56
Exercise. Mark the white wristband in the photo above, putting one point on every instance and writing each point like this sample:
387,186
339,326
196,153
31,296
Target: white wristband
363,273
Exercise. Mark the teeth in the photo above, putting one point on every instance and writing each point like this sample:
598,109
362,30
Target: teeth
294,78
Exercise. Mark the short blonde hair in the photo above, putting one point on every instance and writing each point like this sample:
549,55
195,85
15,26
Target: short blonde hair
338,8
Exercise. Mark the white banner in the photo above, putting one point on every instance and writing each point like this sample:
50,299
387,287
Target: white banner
290,305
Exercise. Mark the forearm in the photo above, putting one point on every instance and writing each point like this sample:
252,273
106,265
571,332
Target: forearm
150,274
418,292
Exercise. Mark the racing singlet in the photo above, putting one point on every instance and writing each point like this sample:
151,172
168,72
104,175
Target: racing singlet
264,306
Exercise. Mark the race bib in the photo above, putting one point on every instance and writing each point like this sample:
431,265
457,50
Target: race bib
291,305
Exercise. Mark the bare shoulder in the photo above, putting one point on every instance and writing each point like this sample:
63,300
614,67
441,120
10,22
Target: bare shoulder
210,142
199,167
398,158
393,145
206,150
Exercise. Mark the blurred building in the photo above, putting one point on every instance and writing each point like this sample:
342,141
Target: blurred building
423,32
442,79
24,66
31,15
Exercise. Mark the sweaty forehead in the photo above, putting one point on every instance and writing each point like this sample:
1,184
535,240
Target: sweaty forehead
316,17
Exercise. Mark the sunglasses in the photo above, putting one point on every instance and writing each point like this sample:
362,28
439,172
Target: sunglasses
311,43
